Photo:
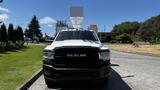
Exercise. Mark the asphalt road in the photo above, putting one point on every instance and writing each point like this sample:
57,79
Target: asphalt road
129,72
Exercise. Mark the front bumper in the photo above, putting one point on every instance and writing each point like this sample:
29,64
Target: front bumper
66,75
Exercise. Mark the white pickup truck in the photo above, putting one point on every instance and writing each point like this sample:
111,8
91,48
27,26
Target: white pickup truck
76,57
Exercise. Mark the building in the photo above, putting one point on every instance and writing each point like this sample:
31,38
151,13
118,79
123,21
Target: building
106,36
93,27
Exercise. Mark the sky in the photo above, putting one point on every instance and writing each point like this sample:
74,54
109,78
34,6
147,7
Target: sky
104,13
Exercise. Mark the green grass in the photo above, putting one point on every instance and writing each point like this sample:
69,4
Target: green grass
18,66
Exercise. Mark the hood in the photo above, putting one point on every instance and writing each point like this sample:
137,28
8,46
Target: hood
74,43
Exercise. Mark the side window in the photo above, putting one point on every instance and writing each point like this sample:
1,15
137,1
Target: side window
96,36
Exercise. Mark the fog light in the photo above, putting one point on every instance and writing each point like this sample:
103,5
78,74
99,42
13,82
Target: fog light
47,73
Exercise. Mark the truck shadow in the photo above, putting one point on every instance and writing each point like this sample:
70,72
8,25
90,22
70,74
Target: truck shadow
115,83
115,65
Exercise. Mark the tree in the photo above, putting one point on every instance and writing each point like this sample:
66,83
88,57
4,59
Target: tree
150,30
127,30
1,1
11,33
3,33
19,34
124,38
27,33
0,35
126,27
115,27
34,30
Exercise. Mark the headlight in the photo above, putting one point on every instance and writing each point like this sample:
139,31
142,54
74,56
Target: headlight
48,55
104,55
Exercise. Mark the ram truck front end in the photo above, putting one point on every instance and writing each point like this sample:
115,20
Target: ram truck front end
79,59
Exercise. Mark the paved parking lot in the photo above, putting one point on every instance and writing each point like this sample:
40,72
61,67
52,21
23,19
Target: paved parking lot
129,72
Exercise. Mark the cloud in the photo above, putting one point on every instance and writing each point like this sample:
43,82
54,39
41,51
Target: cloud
4,9
50,25
4,17
47,21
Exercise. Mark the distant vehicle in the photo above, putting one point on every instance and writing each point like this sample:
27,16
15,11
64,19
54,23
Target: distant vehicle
76,56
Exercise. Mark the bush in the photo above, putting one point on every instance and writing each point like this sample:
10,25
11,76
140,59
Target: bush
134,38
124,38
154,42
10,45
113,41
2,46
19,44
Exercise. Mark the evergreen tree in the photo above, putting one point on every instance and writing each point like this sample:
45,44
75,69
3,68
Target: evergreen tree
1,1
0,35
11,33
19,34
27,33
34,28
3,33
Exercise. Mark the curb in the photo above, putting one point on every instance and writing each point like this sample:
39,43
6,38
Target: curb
30,81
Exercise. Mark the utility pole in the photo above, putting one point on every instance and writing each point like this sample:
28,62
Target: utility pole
104,28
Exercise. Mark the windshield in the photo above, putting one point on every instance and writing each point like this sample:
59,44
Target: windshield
80,35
